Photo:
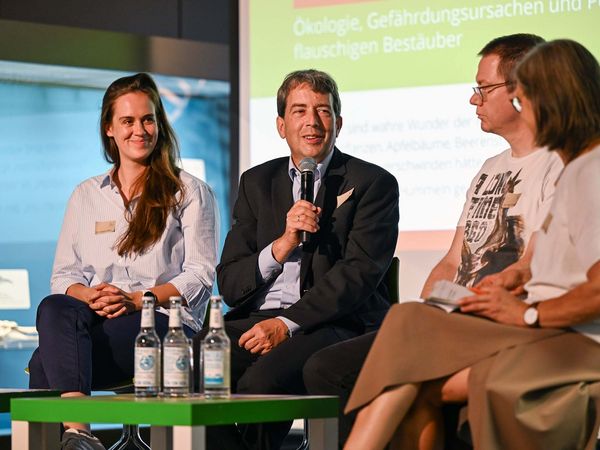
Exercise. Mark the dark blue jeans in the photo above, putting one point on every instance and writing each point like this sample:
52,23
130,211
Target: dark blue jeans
80,351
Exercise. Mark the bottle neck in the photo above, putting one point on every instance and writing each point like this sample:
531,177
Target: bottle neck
147,317
147,312
216,316
175,318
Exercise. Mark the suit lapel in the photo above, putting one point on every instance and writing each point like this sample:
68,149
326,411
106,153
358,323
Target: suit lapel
330,188
332,185
281,198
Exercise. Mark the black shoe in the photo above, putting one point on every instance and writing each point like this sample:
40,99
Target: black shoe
80,440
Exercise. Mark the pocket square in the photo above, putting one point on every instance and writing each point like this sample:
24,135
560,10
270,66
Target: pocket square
343,197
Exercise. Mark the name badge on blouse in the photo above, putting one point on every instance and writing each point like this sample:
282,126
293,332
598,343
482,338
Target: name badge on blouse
106,227
510,200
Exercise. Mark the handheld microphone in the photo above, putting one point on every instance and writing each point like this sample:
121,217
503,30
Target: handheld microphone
307,169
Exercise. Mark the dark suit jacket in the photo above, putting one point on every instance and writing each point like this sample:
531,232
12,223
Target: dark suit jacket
343,265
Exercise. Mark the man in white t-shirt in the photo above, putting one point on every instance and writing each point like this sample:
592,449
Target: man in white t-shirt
510,196
506,202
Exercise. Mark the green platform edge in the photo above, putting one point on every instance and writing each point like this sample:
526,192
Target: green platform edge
171,412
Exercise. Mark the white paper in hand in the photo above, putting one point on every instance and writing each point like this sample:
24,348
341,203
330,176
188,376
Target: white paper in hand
446,294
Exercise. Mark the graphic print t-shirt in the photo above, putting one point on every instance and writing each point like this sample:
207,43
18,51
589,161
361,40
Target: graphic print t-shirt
507,201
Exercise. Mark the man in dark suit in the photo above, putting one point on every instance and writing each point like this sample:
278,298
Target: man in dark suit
289,299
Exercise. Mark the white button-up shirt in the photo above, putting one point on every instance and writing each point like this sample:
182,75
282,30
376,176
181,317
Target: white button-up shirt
185,255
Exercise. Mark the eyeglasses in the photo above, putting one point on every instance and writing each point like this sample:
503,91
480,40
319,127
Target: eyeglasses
483,91
516,103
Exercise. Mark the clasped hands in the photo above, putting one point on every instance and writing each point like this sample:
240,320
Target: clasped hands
109,301
496,299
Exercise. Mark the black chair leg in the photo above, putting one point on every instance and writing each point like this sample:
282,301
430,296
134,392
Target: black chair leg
130,439
304,444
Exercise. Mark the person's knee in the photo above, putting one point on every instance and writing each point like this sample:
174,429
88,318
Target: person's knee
266,379
455,389
52,307
334,369
319,373
56,309
255,382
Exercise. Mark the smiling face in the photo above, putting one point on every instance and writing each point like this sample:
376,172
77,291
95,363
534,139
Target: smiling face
133,127
309,125
495,112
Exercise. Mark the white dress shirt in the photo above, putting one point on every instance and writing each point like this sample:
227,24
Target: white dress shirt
185,255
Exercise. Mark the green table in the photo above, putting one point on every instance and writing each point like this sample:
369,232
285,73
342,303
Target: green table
175,423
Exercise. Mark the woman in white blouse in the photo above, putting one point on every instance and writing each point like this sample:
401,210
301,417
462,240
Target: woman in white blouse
145,225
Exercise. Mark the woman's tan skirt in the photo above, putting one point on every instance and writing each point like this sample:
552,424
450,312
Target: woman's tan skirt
528,388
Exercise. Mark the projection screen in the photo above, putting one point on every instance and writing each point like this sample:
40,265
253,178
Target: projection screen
405,71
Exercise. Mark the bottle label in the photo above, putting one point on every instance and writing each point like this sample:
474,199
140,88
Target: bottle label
214,367
177,367
216,318
146,367
147,318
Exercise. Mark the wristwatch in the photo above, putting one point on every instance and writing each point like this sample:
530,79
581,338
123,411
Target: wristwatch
531,316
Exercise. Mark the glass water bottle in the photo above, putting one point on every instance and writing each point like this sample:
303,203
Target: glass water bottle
216,354
177,351
147,352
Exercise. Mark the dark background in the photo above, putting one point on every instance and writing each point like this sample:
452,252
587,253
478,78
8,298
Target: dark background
199,20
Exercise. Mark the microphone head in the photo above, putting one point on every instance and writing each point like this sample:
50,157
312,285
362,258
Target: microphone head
307,165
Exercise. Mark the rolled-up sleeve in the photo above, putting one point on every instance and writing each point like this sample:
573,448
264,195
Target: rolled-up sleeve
67,269
199,218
